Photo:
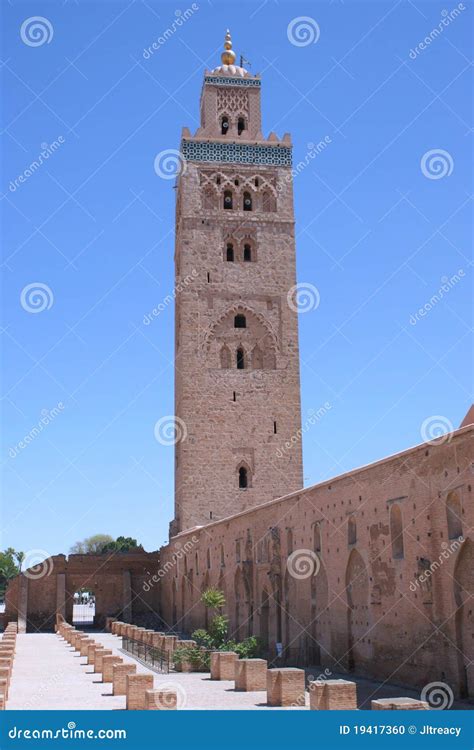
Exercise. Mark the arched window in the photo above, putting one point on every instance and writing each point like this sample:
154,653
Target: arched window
229,252
247,253
227,199
240,125
317,537
396,531
240,321
222,555
454,515
351,530
225,357
243,478
257,358
247,202
240,359
224,125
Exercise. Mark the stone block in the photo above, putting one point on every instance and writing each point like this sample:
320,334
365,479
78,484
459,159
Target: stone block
285,687
251,674
161,700
119,677
108,663
136,686
5,674
99,655
223,665
332,695
85,643
399,704
91,652
4,688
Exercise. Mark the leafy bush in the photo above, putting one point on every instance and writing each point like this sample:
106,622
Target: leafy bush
194,655
218,630
213,599
202,638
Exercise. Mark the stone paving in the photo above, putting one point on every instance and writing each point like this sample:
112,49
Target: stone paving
48,674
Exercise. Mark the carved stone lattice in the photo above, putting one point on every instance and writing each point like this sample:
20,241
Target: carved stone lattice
232,102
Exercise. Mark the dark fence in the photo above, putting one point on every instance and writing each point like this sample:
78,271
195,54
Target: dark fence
155,657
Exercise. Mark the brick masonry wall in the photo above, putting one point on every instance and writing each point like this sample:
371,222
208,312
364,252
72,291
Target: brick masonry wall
364,609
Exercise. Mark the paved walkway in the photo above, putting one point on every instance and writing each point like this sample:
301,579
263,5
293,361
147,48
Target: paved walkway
49,675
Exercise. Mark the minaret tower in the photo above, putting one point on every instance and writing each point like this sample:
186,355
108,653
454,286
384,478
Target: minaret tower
237,384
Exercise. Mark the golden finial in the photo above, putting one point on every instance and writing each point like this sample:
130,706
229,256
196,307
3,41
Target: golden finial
228,56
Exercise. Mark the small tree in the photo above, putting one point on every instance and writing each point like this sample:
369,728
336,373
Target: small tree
91,545
10,566
216,636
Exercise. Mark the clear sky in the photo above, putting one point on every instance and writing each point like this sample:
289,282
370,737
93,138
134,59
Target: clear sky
380,223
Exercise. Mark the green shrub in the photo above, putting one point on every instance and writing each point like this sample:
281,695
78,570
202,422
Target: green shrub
194,655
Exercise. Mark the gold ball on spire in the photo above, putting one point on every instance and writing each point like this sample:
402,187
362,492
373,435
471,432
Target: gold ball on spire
228,56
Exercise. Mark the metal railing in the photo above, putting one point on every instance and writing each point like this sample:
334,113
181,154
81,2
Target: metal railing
155,657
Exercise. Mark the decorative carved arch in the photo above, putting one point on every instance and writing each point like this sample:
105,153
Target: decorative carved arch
245,310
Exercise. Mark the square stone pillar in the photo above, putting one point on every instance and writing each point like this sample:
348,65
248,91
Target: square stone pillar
85,643
161,700
119,677
108,663
137,685
223,664
399,704
332,695
285,687
99,655
251,674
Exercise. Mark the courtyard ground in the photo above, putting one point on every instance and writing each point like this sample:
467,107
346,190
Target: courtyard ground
49,675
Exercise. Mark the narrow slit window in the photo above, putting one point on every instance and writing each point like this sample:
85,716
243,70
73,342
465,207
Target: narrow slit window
243,478
247,253
240,359
227,199
224,125
247,202
230,253
274,428
240,125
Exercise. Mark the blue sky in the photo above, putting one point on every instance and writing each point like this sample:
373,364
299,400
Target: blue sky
376,234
